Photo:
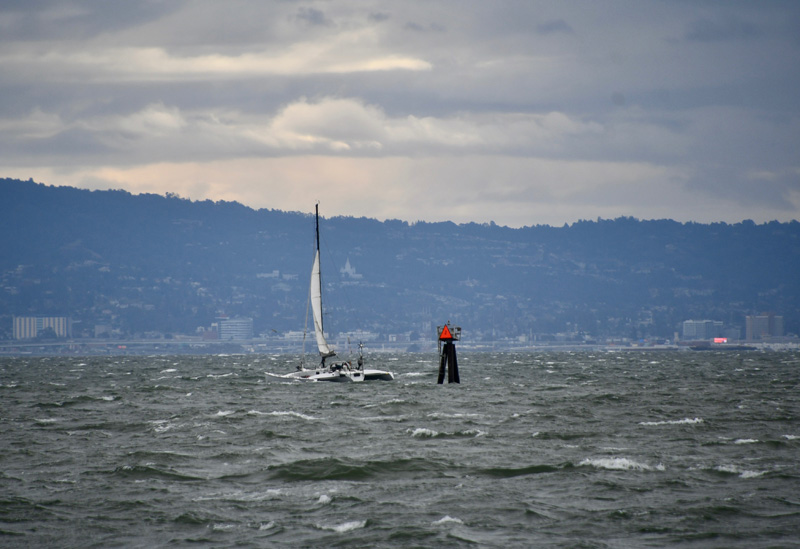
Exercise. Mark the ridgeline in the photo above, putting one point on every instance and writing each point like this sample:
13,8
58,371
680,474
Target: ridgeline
163,264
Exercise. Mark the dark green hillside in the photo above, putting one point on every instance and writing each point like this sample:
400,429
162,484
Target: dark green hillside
149,263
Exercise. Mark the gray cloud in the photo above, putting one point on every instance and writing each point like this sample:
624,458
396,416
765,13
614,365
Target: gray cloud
313,16
555,26
423,28
378,17
669,109
727,28
79,20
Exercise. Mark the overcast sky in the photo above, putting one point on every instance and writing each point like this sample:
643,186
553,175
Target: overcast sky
518,112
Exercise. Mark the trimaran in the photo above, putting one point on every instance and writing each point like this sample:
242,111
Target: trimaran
330,368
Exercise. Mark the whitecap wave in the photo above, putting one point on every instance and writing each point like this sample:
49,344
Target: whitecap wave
162,425
430,433
743,473
395,401
685,421
423,433
446,519
344,527
371,419
620,464
476,432
293,414
752,474
745,441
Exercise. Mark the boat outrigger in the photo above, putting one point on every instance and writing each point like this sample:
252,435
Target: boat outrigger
330,368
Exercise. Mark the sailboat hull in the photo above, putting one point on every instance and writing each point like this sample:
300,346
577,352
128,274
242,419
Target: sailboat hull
377,375
338,376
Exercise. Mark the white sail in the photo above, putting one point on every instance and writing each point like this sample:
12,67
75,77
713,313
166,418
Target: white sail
316,306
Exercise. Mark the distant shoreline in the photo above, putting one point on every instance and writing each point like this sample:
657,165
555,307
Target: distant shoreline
93,347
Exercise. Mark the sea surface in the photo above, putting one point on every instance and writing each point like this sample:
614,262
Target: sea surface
603,449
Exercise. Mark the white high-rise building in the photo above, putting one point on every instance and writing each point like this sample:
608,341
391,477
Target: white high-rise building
701,329
235,329
29,327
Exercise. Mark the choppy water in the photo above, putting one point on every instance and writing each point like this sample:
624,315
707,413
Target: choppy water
558,450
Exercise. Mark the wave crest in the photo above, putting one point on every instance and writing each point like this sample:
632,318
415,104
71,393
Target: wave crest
686,421
344,527
620,464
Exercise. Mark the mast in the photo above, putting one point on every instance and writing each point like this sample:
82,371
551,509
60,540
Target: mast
316,217
318,274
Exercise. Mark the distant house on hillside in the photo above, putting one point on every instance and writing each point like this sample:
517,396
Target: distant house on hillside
350,271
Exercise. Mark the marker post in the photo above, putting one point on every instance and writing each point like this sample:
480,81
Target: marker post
447,353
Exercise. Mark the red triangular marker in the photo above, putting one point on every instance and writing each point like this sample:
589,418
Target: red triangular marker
445,333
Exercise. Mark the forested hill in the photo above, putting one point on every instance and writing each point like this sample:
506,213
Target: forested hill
149,263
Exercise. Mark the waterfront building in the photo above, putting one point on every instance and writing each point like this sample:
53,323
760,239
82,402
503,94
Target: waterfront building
30,327
763,326
701,329
235,329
